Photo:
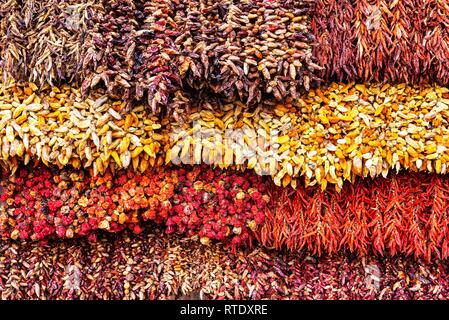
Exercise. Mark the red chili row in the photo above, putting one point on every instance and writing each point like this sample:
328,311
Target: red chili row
385,41
405,213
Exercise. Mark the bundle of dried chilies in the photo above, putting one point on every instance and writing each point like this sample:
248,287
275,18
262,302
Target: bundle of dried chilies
237,50
43,41
332,134
154,266
405,213
391,41
244,49
58,127
131,50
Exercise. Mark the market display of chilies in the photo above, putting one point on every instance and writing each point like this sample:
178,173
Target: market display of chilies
155,266
275,141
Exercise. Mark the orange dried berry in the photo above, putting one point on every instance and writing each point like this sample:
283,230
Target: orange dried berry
122,218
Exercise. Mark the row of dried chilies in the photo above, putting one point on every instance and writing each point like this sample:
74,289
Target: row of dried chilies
155,266
164,52
105,93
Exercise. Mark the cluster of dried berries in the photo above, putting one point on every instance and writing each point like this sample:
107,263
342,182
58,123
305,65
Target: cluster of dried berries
382,40
155,266
42,41
37,203
405,214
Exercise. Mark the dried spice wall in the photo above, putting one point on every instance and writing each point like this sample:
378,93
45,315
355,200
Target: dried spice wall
308,127
371,130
